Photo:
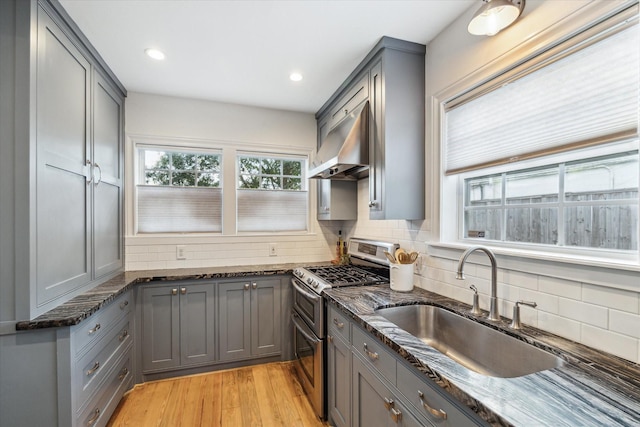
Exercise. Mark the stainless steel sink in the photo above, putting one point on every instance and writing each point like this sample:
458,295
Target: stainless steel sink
473,345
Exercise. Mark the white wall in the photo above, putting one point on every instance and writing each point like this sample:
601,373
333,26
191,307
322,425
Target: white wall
597,306
200,122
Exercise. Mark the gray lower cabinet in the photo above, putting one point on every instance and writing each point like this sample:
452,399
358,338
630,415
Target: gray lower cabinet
249,318
178,325
375,404
339,381
101,368
370,385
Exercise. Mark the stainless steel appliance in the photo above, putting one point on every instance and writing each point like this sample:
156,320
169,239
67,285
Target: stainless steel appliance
368,266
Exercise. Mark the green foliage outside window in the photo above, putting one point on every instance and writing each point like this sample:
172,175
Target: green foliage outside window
180,169
269,173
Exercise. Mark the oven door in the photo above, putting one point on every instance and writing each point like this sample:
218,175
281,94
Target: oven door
309,306
309,362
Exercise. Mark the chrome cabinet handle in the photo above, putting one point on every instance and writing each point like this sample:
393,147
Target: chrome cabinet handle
174,291
304,293
372,203
372,355
246,286
123,373
388,403
183,291
124,304
254,285
96,414
123,335
99,170
340,325
438,413
94,329
396,415
330,338
93,370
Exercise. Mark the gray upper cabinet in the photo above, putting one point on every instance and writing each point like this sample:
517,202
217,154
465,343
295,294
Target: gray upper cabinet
392,78
250,318
396,149
61,162
63,201
108,113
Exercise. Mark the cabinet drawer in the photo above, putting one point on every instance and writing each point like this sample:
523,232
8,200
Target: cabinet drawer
99,409
375,352
423,394
93,366
354,97
339,324
96,326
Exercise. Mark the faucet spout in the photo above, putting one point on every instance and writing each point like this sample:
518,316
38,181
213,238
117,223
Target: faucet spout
493,306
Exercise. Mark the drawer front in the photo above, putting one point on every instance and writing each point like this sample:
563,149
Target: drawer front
425,396
354,97
375,353
93,366
99,409
97,325
339,325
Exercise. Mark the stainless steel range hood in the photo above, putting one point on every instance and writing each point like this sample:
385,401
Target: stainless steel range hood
344,153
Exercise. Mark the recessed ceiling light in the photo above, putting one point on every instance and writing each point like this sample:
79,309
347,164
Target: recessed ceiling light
154,53
295,77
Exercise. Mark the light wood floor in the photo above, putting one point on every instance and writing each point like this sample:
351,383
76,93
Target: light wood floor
261,396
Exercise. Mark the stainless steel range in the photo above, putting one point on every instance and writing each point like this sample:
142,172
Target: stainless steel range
368,266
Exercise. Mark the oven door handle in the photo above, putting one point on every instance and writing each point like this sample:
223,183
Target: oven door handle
302,330
306,294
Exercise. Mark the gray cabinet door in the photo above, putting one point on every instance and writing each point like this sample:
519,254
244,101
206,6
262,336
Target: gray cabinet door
234,305
373,402
160,327
197,324
107,182
339,382
62,241
265,317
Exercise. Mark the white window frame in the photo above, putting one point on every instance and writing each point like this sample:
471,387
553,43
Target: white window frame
592,268
229,151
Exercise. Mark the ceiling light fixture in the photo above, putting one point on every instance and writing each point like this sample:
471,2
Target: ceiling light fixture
295,77
494,16
154,53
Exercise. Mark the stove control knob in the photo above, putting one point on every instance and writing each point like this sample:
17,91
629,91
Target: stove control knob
309,281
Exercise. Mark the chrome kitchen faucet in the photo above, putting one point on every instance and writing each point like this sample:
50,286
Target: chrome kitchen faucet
493,306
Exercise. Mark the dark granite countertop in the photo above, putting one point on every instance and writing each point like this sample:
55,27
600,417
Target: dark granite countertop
79,308
592,388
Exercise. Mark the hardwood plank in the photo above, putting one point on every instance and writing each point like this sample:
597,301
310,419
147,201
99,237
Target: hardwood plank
264,395
267,400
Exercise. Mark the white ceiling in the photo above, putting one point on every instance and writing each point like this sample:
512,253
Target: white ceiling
243,51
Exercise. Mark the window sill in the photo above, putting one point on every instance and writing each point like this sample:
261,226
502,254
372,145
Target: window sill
597,271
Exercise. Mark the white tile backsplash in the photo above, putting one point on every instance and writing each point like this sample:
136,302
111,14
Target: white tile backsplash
585,313
560,287
614,298
624,323
611,342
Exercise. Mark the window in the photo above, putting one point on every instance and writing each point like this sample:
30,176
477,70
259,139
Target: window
271,194
179,191
547,153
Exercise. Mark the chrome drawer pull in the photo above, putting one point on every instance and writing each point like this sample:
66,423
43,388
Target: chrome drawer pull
123,335
371,354
92,371
96,414
438,413
124,304
388,403
123,374
340,325
330,338
94,329
396,415
254,285
246,286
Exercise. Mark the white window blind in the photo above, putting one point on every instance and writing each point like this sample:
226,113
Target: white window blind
586,98
179,209
264,210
